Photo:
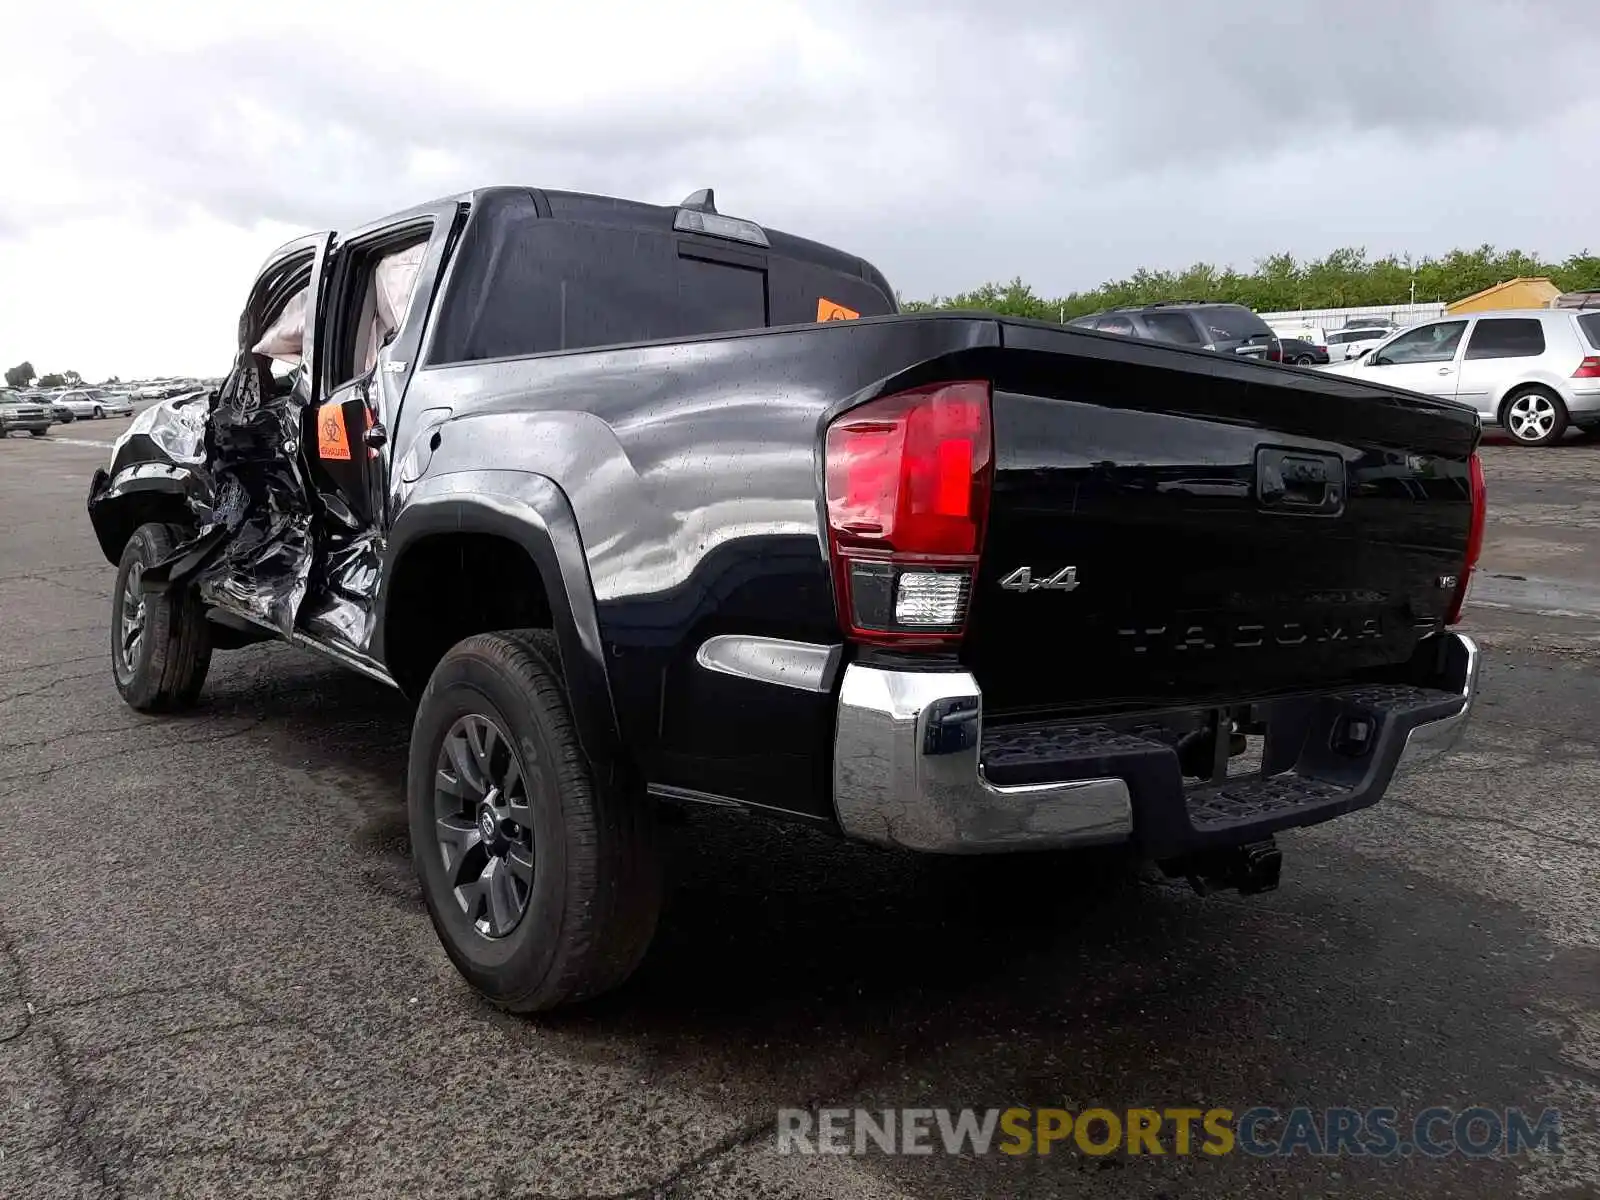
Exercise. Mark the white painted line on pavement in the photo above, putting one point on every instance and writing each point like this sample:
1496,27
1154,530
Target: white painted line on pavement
75,442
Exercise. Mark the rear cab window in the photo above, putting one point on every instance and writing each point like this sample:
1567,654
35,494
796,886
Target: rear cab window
1506,337
602,274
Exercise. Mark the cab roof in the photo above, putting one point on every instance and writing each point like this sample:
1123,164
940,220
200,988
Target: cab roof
609,210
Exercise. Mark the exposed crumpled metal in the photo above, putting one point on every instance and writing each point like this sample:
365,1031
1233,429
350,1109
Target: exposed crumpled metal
254,551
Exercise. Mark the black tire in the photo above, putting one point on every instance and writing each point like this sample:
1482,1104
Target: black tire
1305,360
591,905
167,666
99,412
1547,404
37,432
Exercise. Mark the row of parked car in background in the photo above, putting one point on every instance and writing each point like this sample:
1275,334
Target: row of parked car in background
1233,329
34,411
1532,372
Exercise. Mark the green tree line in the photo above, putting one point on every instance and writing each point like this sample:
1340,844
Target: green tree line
21,375
1345,278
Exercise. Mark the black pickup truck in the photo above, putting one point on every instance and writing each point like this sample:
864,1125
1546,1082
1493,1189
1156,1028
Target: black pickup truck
648,505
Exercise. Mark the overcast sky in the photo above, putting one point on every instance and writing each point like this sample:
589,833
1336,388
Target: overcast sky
152,153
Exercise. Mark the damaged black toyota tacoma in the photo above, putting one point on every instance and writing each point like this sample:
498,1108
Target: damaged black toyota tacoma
648,505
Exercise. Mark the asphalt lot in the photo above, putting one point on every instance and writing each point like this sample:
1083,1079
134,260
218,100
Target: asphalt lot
218,978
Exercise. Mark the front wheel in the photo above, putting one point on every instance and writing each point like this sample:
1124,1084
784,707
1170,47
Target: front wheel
1534,416
160,642
542,876
98,412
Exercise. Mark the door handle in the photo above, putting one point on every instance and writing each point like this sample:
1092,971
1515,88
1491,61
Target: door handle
1444,370
375,436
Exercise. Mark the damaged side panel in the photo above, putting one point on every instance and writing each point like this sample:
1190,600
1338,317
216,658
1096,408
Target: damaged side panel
347,584
246,483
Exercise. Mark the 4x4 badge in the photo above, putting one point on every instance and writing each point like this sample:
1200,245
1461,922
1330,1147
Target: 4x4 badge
1022,580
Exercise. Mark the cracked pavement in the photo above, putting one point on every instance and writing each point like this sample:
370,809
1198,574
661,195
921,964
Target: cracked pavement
217,977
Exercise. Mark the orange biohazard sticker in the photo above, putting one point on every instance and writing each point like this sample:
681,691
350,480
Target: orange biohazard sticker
832,310
331,439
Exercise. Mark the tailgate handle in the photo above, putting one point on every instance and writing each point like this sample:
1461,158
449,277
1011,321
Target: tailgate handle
1299,481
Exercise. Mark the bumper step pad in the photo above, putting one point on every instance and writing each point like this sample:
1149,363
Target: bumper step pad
1399,699
1016,748
1245,801
1316,774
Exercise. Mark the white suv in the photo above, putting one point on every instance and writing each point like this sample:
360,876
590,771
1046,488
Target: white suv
1533,371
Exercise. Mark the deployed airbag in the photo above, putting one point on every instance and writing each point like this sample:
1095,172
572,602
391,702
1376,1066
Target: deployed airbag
392,280
285,338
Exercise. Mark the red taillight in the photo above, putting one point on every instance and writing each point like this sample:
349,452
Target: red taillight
907,480
1589,368
1480,513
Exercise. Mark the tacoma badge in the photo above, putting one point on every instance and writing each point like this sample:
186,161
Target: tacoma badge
1022,580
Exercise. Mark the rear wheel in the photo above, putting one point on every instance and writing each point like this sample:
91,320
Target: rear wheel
541,875
1305,360
36,432
1534,416
160,642
98,412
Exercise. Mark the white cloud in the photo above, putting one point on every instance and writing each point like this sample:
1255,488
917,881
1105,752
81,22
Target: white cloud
155,153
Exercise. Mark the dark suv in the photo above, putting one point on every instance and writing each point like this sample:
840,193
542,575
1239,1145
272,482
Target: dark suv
1226,328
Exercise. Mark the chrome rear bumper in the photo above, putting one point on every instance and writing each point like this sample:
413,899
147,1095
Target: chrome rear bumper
908,770
1463,660
906,773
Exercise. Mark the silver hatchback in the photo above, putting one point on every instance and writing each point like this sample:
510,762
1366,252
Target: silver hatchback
1533,371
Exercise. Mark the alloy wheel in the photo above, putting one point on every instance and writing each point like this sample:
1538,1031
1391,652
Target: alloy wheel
130,621
1531,417
483,824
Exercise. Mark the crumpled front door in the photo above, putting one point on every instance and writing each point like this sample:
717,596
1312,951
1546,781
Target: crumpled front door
254,551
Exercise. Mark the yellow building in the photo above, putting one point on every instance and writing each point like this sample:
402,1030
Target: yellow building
1522,292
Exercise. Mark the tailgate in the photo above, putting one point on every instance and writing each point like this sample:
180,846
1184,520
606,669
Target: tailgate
1169,526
